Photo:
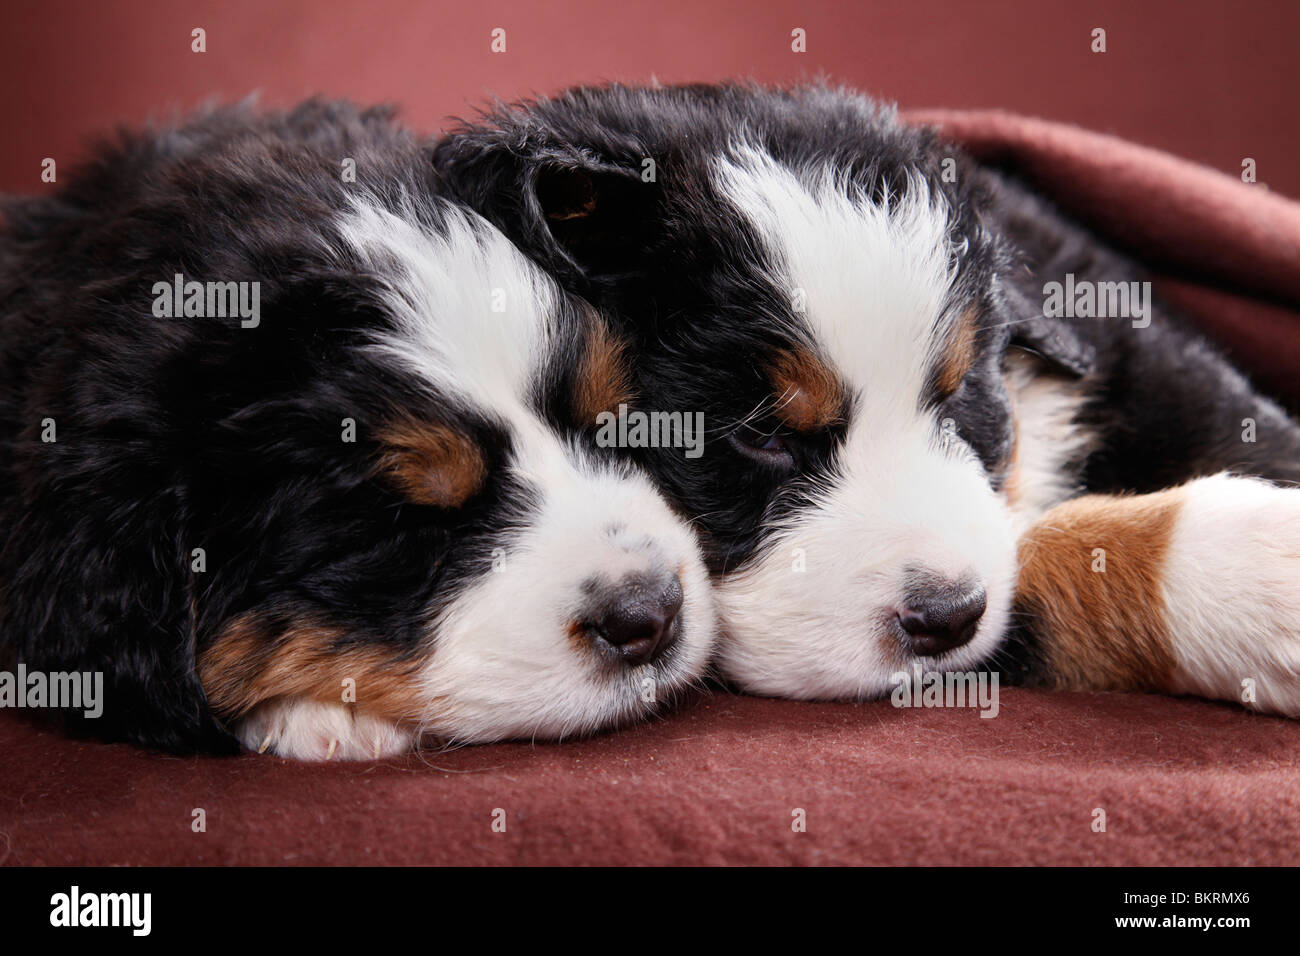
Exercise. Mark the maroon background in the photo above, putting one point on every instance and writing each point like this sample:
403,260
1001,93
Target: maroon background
1210,80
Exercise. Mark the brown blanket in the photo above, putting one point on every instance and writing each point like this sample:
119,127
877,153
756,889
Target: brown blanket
1180,781
719,781
1225,252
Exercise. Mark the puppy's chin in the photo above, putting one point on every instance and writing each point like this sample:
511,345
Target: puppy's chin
591,703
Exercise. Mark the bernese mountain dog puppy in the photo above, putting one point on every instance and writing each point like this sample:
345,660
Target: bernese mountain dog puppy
296,454
916,457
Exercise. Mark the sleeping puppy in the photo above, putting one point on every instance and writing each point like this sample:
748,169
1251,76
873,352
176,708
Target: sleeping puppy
294,456
909,465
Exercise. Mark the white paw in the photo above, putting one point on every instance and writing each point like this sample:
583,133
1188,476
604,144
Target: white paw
1232,593
312,730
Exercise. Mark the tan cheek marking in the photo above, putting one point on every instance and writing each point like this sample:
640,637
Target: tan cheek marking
247,665
579,640
809,394
959,355
604,379
1100,630
431,464
1011,476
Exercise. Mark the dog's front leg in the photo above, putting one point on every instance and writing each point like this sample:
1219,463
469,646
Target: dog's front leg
1194,590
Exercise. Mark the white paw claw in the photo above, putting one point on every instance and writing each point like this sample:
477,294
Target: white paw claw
312,730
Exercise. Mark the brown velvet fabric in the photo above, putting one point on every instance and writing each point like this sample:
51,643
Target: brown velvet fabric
1180,781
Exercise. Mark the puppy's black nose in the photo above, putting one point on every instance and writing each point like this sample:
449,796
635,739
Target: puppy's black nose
940,616
640,622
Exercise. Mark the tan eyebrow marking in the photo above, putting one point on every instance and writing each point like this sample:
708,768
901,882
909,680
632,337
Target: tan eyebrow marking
430,463
809,393
604,378
959,354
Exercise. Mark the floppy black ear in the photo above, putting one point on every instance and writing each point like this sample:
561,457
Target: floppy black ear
600,217
1050,338
573,213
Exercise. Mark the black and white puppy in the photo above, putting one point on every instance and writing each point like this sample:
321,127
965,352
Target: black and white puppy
909,462
294,452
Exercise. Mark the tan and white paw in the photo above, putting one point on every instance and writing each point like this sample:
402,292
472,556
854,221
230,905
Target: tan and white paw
303,729
1231,584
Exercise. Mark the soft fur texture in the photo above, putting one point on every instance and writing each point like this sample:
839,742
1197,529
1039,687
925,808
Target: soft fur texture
406,529
898,435
812,221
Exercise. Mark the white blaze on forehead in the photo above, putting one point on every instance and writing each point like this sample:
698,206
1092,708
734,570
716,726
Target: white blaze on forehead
876,275
474,319
473,316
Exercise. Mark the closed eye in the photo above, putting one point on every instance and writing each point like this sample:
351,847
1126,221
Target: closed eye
773,447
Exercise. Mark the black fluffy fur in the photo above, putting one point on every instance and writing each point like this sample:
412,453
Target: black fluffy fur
175,434
684,277
183,433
